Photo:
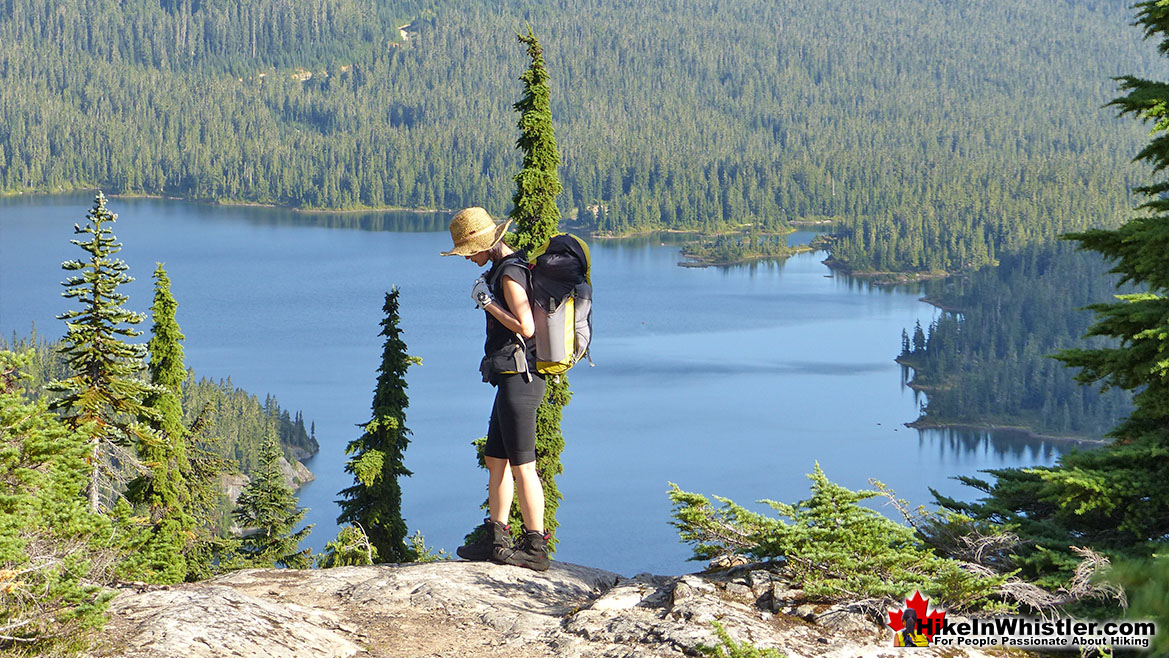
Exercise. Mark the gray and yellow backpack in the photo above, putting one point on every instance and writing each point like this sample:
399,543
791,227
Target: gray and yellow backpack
562,303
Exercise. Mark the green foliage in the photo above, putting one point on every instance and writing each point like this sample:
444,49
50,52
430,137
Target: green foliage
368,467
728,249
424,553
538,183
834,548
54,551
986,359
267,511
728,648
236,422
226,429
377,458
164,494
537,219
104,391
350,548
1113,499
683,115
1146,584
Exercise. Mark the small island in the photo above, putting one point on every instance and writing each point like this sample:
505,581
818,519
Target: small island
727,249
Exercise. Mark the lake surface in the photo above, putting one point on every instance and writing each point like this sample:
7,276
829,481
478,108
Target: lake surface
730,381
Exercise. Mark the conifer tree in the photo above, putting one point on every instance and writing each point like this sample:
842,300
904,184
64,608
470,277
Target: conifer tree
537,218
1112,499
1126,483
538,183
164,492
104,393
267,511
374,502
351,548
54,550
210,551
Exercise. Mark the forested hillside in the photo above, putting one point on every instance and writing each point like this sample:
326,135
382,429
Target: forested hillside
940,134
235,420
988,358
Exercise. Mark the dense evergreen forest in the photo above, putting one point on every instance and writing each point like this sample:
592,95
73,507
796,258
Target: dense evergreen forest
939,134
235,418
987,358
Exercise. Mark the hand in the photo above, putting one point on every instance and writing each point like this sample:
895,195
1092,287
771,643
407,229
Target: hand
481,294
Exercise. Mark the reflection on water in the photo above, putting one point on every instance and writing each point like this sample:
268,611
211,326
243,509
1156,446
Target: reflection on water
1010,447
396,221
651,239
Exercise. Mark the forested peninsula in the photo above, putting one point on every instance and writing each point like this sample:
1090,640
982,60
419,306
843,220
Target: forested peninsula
937,135
986,360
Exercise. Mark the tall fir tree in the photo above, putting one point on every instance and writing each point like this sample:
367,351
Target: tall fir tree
1112,499
105,391
376,459
538,182
164,494
1126,483
267,510
537,219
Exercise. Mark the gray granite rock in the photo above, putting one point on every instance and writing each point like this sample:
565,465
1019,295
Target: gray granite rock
481,610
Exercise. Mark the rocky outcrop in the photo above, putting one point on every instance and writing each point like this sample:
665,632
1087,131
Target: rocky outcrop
301,453
482,610
295,473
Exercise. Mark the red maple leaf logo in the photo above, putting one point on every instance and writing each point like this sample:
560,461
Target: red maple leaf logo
930,620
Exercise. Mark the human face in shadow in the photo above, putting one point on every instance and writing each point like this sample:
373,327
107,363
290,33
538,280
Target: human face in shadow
479,258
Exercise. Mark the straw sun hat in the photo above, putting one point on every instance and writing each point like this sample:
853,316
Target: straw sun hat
473,230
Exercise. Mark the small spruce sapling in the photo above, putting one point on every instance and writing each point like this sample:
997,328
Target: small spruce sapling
267,511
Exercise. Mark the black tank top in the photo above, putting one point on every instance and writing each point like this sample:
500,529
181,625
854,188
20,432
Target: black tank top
501,340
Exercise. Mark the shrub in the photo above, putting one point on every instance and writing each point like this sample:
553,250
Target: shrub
834,548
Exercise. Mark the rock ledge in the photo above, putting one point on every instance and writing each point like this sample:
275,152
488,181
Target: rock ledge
482,610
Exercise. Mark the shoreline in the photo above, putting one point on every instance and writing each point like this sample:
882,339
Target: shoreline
921,424
605,235
219,202
885,278
941,307
800,249
318,211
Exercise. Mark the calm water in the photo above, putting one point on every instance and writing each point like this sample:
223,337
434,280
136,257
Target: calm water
725,381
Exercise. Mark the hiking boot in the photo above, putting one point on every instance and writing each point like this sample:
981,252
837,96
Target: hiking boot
530,552
491,535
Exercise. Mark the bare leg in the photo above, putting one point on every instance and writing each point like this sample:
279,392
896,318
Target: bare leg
499,490
531,493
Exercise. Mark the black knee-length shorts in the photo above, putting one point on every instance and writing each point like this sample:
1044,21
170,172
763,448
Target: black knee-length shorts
511,435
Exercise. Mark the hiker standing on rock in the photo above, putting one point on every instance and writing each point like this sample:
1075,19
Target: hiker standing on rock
509,364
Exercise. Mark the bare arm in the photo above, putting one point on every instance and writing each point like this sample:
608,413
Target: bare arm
519,321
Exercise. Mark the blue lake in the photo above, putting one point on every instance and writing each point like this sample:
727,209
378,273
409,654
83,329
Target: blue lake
730,381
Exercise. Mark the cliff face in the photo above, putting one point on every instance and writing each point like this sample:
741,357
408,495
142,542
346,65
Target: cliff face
480,610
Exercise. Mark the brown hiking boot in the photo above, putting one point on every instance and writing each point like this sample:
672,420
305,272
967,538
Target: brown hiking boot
530,552
489,536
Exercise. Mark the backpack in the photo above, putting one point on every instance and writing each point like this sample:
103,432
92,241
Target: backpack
562,303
